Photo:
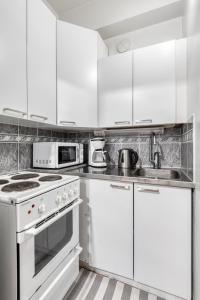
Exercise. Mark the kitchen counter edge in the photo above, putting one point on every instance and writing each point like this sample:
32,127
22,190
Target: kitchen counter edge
141,180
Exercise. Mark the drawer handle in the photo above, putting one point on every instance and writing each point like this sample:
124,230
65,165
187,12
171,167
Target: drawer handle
121,187
148,190
143,121
38,116
67,122
7,109
122,122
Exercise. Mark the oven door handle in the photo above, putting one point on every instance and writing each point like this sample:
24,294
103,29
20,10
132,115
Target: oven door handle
35,231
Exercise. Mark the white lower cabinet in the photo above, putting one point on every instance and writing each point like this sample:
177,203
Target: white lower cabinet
162,238
108,228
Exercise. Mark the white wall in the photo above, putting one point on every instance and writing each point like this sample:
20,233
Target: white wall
99,13
157,33
192,27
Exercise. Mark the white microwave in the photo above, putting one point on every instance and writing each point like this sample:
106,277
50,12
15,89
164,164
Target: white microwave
55,155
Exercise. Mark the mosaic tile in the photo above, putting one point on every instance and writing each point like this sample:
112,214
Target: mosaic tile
25,156
44,132
184,150
27,131
171,155
8,157
176,149
9,129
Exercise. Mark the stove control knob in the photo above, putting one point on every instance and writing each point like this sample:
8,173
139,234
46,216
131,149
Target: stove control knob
42,208
71,194
58,200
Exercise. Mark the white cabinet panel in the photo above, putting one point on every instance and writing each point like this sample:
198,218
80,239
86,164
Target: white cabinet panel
84,220
154,88
77,75
13,95
162,238
41,62
115,90
181,81
102,50
111,233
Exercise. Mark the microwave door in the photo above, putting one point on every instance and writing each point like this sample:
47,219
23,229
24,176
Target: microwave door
67,154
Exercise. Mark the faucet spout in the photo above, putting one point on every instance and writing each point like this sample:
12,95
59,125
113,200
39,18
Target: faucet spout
157,162
154,157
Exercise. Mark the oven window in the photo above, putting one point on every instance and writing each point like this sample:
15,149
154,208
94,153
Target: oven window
51,240
66,154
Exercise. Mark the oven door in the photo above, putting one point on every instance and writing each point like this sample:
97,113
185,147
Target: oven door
68,155
42,248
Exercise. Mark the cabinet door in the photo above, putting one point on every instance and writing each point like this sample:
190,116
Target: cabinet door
41,62
154,88
111,234
84,220
13,96
162,225
115,90
77,76
181,81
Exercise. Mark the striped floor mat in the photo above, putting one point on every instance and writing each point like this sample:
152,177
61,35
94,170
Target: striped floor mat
91,286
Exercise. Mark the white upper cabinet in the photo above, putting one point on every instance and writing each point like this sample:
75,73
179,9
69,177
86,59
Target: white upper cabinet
115,90
181,81
41,50
77,75
13,95
102,49
154,88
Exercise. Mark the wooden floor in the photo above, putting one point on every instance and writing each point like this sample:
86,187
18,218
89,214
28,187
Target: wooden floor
92,286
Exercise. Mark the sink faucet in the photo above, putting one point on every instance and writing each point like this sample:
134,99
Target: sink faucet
157,160
154,158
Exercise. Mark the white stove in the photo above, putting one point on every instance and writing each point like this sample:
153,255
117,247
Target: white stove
39,222
19,187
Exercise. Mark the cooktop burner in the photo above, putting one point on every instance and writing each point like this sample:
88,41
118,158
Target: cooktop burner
3,181
25,176
50,178
20,186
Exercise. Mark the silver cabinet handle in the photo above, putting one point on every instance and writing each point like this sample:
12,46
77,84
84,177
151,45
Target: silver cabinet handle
121,187
148,190
7,109
38,116
68,122
122,122
144,121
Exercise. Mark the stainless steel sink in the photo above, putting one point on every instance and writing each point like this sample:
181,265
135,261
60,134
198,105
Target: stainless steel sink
157,173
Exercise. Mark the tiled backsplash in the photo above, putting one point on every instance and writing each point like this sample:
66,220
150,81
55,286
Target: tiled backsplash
16,145
187,150
175,145
169,144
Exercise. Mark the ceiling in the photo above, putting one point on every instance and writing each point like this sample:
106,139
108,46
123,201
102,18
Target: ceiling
63,5
114,17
